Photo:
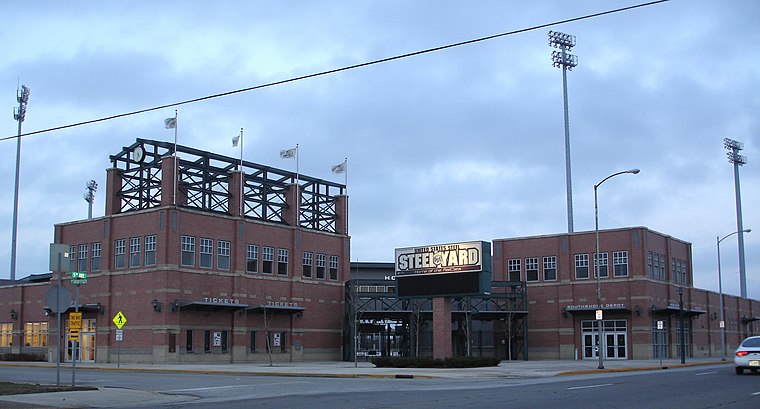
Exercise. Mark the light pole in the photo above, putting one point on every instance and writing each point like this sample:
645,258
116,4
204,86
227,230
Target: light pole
720,289
89,196
733,156
19,115
596,264
562,58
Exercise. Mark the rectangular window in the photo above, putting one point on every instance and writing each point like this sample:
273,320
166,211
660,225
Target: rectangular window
6,334
223,255
134,252
82,265
36,334
267,259
188,251
531,269
73,258
189,341
334,268
252,258
307,263
253,341
95,260
650,264
150,250
282,262
513,269
224,341
663,267
120,250
620,259
603,261
581,266
550,268
321,265
206,251
206,340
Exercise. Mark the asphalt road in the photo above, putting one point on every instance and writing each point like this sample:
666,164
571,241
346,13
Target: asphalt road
694,387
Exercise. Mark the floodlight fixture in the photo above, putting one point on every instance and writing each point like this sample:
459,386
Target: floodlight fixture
89,196
561,40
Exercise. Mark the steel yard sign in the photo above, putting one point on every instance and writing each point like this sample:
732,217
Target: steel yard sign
444,269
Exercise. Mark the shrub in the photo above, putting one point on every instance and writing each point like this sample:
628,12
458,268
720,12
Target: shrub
427,362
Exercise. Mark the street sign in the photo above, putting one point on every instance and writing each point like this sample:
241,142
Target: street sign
78,277
119,320
73,335
75,320
58,298
660,325
598,315
722,324
119,335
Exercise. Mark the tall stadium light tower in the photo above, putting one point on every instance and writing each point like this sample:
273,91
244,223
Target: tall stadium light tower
562,58
733,156
22,96
89,196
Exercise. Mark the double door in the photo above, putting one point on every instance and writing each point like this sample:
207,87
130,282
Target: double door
615,339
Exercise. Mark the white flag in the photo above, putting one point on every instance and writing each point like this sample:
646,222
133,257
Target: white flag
235,140
170,123
340,168
288,153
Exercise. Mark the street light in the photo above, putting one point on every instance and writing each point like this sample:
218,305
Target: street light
596,264
720,289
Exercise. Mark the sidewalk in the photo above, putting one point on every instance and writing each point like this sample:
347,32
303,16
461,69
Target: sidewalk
507,369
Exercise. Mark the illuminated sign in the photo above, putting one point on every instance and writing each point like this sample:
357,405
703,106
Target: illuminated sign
443,270
440,259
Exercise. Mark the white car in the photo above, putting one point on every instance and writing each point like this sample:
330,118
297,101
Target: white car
747,356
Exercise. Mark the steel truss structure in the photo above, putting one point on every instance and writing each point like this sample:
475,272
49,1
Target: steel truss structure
371,303
204,183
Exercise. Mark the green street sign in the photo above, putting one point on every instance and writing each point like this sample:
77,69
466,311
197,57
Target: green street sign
78,277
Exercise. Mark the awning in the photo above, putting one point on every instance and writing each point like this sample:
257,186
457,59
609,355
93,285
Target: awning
674,309
275,309
90,307
746,320
210,306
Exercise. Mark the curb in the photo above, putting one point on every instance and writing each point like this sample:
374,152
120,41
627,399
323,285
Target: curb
635,369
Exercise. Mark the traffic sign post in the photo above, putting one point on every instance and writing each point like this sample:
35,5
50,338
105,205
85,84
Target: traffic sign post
78,277
119,319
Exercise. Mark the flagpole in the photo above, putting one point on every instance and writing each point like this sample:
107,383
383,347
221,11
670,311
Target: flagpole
176,160
242,175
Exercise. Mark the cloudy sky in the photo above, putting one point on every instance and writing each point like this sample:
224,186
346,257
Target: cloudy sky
465,143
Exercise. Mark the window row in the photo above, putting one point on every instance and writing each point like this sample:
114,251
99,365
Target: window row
35,334
78,254
656,265
533,269
267,261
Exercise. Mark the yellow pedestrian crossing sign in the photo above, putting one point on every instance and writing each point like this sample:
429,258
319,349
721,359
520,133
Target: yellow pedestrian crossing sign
119,320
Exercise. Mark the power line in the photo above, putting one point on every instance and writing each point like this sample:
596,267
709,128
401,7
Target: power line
336,70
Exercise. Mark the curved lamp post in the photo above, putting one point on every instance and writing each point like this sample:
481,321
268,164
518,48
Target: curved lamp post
596,263
720,289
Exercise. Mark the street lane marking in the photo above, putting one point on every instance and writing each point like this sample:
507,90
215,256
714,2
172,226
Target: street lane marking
211,388
705,373
756,393
589,386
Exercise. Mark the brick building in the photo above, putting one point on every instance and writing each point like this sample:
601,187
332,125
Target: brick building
644,275
208,269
